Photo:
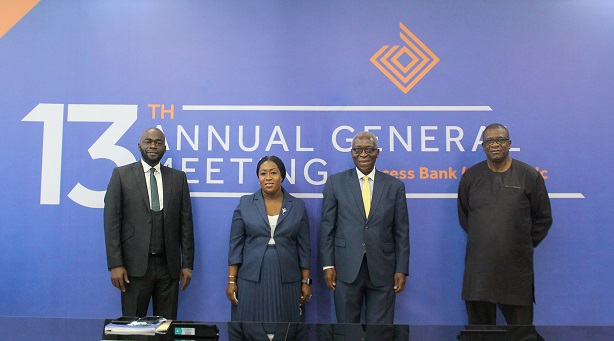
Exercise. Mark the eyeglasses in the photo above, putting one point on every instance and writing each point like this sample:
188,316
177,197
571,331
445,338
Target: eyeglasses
500,141
158,143
368,150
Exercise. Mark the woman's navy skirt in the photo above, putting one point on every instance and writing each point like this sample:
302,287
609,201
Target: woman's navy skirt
269,300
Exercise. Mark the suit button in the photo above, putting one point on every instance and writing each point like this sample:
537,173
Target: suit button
366,226
363,244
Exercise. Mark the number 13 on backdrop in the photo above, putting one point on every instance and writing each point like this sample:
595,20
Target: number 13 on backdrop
52,115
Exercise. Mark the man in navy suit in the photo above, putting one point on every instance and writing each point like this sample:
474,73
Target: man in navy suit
149,231
365,255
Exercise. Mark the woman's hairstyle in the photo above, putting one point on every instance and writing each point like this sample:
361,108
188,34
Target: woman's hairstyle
277,161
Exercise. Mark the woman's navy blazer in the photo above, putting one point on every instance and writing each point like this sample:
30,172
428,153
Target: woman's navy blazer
250,233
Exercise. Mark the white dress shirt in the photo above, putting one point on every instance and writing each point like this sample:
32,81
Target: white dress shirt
158,176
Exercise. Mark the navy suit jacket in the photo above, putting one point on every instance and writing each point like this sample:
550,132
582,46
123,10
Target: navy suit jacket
345,232
128,220
250,233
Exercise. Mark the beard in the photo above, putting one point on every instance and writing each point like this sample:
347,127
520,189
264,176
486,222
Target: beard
152,161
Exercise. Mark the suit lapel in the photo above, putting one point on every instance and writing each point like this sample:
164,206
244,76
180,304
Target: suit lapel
139,177
286,207
167,183
354,188
378,191
259,203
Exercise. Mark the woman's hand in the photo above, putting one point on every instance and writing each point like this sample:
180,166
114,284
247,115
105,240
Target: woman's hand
232,293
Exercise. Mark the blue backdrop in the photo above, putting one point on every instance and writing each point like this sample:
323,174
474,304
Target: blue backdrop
232,81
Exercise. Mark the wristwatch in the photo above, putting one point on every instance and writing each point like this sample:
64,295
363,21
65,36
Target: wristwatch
306,281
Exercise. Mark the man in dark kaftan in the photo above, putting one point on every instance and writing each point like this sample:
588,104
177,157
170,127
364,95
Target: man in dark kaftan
503,206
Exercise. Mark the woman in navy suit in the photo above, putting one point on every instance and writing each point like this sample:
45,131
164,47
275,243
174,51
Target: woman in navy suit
268,258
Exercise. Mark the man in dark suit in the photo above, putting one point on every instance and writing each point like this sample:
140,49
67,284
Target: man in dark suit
149,231
364,241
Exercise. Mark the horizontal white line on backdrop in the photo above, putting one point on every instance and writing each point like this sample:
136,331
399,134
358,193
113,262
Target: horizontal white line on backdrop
336,108
408,195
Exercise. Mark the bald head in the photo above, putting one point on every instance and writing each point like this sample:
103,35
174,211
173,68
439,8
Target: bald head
152,146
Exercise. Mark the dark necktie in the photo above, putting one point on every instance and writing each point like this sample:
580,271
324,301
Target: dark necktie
153,184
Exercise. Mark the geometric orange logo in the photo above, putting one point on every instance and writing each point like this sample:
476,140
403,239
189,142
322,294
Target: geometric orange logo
11,11
405,65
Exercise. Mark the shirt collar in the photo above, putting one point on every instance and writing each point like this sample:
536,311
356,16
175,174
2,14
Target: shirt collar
147,167
370,175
